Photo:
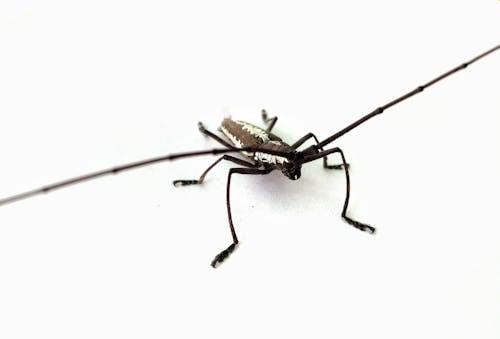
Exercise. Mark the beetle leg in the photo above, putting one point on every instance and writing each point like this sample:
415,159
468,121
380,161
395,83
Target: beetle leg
357,224
202,176
325,160
224,254
212,135
266,120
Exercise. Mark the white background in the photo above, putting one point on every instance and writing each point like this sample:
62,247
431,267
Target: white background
89,85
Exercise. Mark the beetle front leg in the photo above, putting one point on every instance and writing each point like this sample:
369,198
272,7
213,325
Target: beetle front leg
308,136
219,258
357,224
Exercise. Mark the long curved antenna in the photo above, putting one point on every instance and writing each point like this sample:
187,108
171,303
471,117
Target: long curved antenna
132,165
417,90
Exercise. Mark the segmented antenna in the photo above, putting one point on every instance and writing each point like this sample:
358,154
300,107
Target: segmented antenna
129,166
417,90
314,148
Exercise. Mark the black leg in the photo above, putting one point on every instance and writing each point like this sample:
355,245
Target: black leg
266,120
325,160
357,224
213,136
202,177
224,254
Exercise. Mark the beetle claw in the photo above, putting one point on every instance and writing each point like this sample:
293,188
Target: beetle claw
223,255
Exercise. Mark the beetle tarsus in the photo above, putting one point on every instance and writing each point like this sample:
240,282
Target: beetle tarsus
178,183
219,258
264,115
201,127
360,226
336,167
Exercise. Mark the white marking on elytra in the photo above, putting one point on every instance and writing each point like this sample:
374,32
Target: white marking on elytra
231,137
255,131
269,158
260,133
236,142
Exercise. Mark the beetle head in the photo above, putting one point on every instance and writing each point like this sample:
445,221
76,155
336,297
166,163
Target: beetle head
292,167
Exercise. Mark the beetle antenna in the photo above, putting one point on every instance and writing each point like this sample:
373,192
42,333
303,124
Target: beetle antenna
132,165
417,90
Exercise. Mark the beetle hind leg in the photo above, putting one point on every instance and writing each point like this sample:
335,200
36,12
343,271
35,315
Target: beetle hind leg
212,135
266,119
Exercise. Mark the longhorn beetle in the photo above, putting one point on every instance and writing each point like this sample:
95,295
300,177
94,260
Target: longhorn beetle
264,152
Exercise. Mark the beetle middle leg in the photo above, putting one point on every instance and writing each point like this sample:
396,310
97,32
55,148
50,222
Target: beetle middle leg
308,136
202,176
225,253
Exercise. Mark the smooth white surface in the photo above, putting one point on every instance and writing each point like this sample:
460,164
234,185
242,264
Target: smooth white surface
91,85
